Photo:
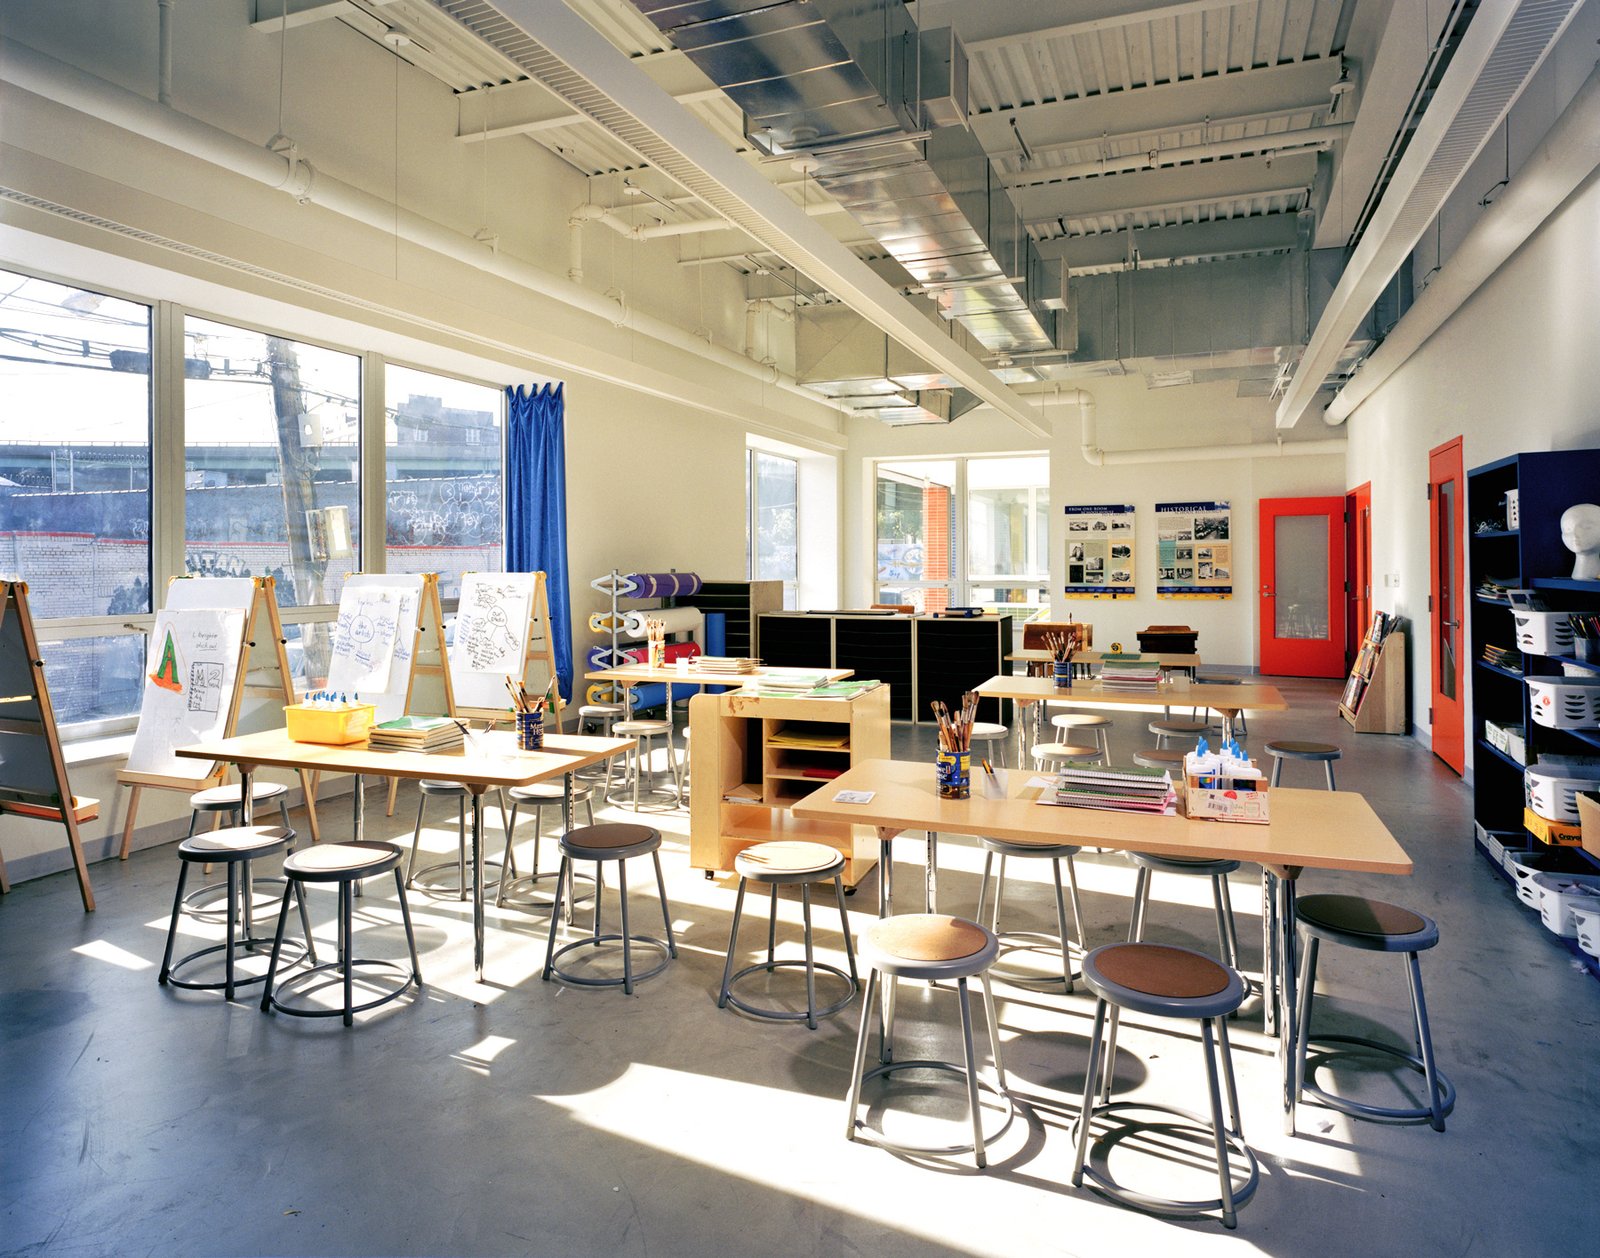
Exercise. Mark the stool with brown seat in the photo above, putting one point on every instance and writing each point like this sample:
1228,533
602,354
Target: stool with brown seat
1372,926
613,843
1163,982
1168,758
1281,750
1222,901
788,864
930,947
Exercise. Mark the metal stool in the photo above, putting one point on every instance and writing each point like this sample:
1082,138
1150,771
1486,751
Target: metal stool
451,790
1225,679
1281,751
1055,854
234,847
599,717
226,799
539,795
1373,926
1072,724
930,946
644,734
343,864
1216,870
993,734
1051,756
785,864
619,842
1162,982
1187,730
1168,758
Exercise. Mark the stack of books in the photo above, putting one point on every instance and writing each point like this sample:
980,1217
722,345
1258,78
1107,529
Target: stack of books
725,665
1132,789
416,733
787,682
1130,676
1502,657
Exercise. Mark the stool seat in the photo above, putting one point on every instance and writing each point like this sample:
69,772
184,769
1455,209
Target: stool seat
1064,751
1183,864
988,729
341,862
1079,720
611,840
1160,757
1304,751
613,843
1021,847
785,860
600,709
551,792
1175,728
215,798
236,843
632,729
428,787
930,945
1358,922
1162,980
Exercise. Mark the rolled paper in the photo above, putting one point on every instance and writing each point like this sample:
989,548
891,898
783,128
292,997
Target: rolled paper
716,635
600,692
623,585
605,622
676,619
663,584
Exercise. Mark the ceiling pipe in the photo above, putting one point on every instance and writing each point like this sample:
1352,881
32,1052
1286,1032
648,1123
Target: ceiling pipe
1096,457
1279,142
66,85
1568,154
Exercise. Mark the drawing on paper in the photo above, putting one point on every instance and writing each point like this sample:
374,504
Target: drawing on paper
366,639
492,626
205,686
165,672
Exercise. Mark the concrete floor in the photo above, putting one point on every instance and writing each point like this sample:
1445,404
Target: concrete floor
521,1117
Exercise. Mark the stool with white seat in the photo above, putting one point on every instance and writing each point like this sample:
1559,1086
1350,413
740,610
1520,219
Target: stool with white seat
787,864
227,799
930,947
1325,753
1158,981
644,734
539,795
1372,926
1055,853
1076,724
598,718
994,735
1050,757
457,791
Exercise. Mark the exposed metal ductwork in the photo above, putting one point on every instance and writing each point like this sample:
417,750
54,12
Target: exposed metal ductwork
875,110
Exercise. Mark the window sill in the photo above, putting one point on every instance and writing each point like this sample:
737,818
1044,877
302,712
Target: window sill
101,750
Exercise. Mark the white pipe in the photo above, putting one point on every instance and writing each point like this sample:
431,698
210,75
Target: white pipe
1096,457
53,80
164,51
1568,154
1320,137
694,227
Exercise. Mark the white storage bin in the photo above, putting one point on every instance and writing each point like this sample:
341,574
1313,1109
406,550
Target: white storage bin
1552,791
1587,921
1543,633
1559,894
1565,702
1522,866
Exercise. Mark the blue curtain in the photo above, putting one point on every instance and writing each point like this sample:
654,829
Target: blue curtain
536,506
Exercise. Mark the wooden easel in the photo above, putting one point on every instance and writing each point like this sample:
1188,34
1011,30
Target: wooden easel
26,714
263,670
538,660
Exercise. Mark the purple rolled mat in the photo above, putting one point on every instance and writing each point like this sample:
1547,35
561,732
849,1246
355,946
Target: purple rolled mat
663,584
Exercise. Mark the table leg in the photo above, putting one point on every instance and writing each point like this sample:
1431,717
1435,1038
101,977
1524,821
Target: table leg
477,790
930,889
247,807
1287,1032
1269,952
1228,715
566,827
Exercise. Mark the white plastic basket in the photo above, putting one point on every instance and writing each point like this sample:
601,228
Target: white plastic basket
1553,792
1522,866
1543,633
1565,702
1587,921
1559,894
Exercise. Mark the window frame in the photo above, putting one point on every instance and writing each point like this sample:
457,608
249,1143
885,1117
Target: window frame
752,507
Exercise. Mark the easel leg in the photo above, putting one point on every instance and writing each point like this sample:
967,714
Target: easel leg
5,883
394,790
127,826
81,865
310,789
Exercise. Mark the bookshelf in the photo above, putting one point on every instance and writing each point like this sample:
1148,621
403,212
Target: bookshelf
1374,699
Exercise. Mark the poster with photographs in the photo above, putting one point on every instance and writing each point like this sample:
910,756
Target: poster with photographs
1194,550
1099,552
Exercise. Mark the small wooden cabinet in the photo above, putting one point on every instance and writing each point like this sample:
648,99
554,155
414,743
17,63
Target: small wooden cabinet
752,756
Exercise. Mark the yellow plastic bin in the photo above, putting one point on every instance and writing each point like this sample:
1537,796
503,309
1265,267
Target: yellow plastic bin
336,726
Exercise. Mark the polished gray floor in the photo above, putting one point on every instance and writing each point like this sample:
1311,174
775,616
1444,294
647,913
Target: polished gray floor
521,1117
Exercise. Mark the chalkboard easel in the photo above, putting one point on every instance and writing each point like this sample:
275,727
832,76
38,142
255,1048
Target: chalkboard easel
33,774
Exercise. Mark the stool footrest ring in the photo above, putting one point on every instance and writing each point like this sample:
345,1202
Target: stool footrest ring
197,902
1033,941
591,941
1360,1109
1108,1187
784,1015
256,946
510,899
278,999
414,880
943,1067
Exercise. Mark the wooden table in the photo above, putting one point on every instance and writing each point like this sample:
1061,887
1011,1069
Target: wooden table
1309,830
1161,659
1226,701
488,760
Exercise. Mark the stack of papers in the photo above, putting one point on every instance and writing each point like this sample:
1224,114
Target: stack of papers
730,665
789,683
1133,789
1130,676
416,733
844,689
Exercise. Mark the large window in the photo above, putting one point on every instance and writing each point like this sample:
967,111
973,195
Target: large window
75,483
772,484
443,444
962,532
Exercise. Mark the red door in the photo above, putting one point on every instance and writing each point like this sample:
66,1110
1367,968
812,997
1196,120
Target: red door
1445,578
1358,567
1302,587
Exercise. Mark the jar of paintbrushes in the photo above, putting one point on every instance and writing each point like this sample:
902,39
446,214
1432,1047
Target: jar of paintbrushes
954,761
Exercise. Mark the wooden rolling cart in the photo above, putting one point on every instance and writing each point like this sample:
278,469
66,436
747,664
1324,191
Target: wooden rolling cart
753,756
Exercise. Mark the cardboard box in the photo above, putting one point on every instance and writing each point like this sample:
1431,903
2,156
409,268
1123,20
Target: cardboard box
1589,821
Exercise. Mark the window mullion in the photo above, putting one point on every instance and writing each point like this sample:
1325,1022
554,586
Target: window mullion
167,467
372,464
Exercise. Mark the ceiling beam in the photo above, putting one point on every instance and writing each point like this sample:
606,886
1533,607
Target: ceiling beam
491,113
1256,233
1162,107
997,24
273,15
1231,179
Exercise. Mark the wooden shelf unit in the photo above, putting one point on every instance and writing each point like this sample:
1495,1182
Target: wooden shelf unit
1380,699
746,772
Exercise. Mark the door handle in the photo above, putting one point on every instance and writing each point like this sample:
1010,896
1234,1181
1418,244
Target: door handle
1452,624
1266,591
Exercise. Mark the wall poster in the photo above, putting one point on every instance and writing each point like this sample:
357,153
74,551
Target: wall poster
1194,550
1099,552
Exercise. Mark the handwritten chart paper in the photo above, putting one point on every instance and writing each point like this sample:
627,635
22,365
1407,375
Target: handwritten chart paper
365,639
491,633
188,679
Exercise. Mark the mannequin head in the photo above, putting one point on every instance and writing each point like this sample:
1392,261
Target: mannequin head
1580,533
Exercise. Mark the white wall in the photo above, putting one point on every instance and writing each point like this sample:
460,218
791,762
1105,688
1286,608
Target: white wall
1129,416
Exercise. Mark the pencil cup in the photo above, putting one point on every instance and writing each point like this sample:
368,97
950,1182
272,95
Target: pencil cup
955,774
1063,674
1585,649
530,731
